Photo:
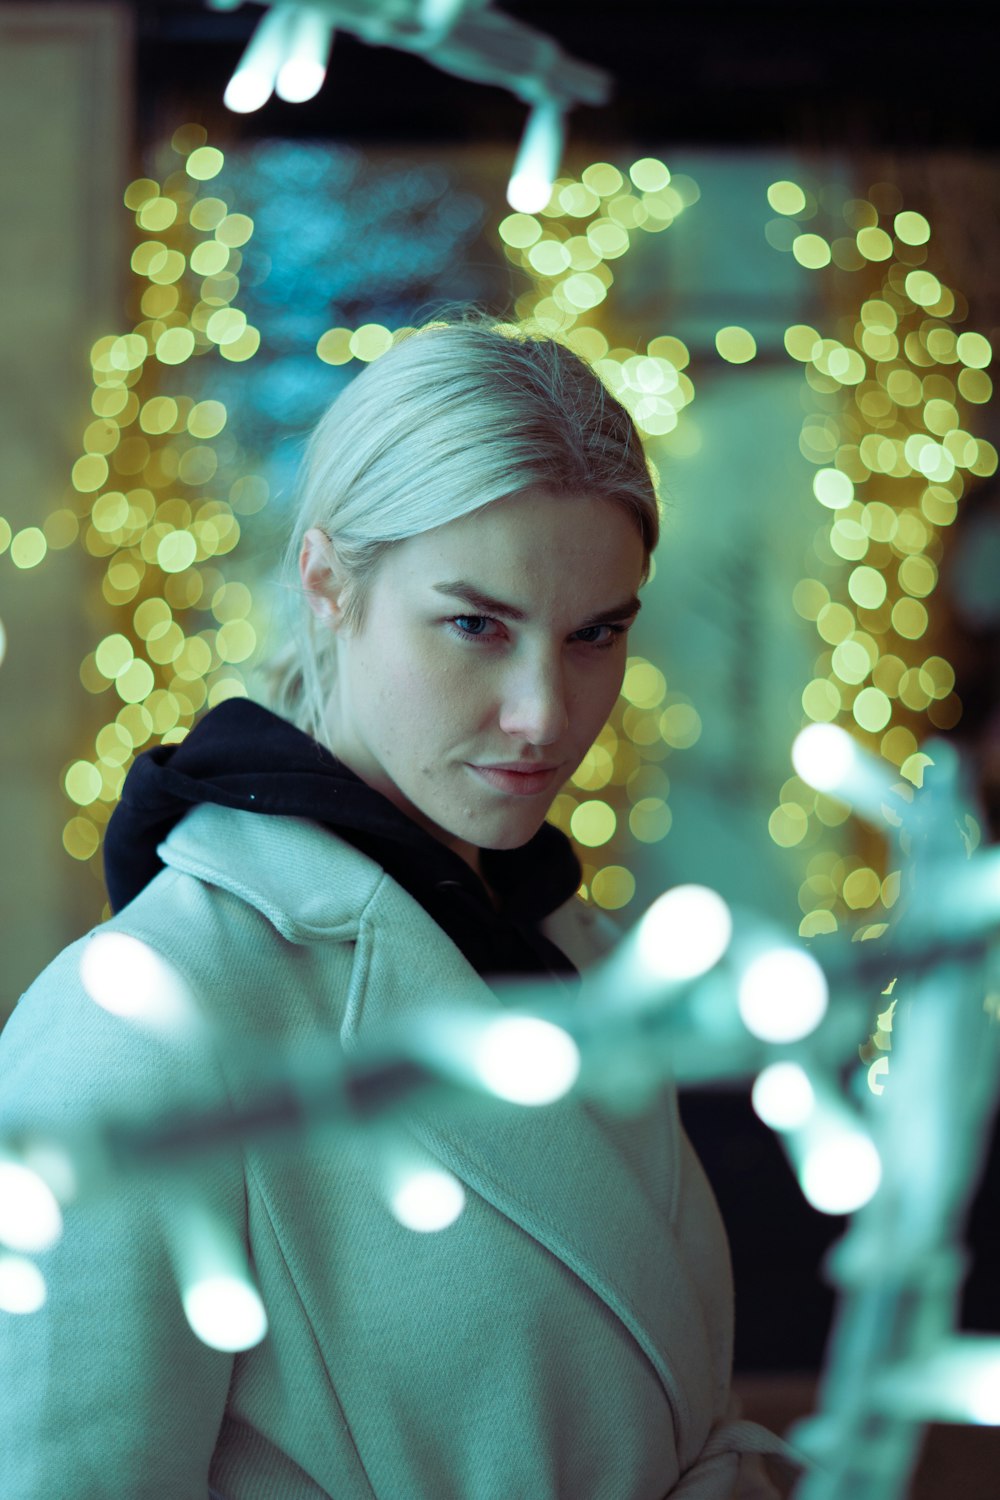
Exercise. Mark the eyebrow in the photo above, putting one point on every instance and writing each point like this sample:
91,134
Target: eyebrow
485,604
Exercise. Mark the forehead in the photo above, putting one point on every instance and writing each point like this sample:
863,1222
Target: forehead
532,542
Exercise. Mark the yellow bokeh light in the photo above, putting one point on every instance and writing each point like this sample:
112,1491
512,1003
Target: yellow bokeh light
786,197
912,228
649,174
334,346
370,341
650,820
735,345
833,488
909,619
867,587
874,244
593,823
603,179
862,888
811,251
209,258
680,725
922,288
80,838
820,701
872,709
612,887
28,547
206,419
141,191
644,685
234,230
974,350
788,825
204,163
174,346
520,231
245,346
157,214
673,350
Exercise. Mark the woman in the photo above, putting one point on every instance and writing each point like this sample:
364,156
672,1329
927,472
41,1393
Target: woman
476,521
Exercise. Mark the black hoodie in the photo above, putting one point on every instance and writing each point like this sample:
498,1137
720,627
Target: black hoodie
242,755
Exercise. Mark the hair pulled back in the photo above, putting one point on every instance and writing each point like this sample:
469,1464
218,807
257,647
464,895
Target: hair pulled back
451,418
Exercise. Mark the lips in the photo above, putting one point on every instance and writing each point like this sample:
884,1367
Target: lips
517,783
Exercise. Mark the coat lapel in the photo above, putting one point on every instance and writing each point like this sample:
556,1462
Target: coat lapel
553,1170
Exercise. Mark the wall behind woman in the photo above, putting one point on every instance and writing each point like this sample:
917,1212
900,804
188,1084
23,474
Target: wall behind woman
64,104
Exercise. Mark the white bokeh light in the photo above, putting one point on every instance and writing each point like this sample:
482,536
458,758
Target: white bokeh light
526,1060
840,1171
824,756
30,1217
782,995
125,976
782,1096
303,71
428,1200
226,1312
684,933
22,1285
538,157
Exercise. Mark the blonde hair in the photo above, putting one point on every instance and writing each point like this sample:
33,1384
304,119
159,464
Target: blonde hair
451,418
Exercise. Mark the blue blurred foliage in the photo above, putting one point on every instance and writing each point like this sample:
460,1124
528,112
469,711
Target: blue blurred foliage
341,238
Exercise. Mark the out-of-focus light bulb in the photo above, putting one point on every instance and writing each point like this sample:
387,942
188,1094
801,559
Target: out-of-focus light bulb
226,1312
30,1217
124,975
684,933
823,756
538,158
307,54
782,1096
253,82
428,1200
526,1060
840,1171
782,995
22,1285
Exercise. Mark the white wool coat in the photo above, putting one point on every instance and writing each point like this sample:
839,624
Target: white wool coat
568,1337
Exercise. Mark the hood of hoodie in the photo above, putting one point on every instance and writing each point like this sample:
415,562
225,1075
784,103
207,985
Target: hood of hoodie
242,755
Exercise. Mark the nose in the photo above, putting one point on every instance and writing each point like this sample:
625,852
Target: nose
534,705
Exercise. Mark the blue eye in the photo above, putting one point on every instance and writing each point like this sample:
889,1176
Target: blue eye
458,620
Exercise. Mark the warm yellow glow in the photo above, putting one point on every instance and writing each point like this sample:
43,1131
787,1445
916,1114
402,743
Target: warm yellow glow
735,345
786,197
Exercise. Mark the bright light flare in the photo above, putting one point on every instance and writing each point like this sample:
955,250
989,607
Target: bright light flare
428,1200
256,72
526,1060
125,976
538,158
220,1300
840,1171
684,933
302,74
30,1217
782,995
22,1285
824,757
957,1382
226,1312
782,1096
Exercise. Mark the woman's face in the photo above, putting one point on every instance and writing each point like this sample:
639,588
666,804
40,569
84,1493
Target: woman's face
496,639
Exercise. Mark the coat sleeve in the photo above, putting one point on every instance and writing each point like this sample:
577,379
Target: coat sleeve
105,1391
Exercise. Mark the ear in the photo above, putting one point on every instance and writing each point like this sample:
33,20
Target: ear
322,576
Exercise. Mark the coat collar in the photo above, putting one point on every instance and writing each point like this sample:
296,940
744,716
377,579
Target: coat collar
554,1170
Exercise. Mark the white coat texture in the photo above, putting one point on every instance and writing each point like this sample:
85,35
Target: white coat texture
568,1337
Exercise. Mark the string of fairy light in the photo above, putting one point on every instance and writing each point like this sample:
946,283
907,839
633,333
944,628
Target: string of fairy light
890,397
149,499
